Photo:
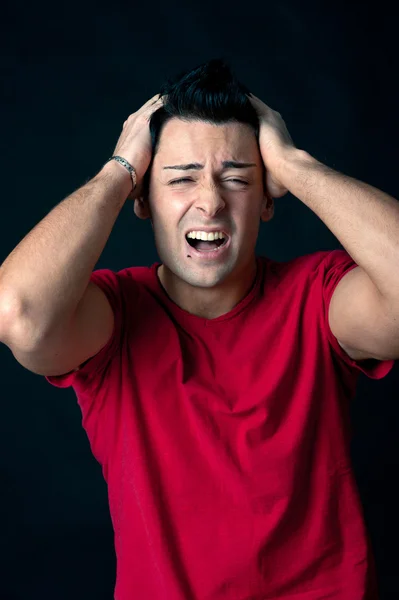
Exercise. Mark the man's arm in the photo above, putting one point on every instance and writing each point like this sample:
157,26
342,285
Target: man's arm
45,277
364,313
364,308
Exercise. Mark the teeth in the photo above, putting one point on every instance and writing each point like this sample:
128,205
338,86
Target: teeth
202,235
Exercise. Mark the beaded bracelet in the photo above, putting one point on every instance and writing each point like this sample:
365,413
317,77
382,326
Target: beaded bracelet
128,166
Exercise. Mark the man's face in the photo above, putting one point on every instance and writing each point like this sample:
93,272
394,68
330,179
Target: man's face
229,199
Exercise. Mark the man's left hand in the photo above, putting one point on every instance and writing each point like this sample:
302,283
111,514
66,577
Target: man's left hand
275,144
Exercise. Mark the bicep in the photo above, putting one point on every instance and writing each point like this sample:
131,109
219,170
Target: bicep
75,342
361,320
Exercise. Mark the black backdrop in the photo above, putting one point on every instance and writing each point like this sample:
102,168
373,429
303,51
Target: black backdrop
71,74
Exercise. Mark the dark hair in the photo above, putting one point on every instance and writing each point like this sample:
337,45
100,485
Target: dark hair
209,93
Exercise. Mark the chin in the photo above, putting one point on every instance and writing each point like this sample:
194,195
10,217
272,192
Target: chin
199,276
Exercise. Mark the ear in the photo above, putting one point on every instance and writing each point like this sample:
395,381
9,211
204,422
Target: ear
267,208
142,208
141,204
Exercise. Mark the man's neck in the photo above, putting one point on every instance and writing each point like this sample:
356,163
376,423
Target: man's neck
208,303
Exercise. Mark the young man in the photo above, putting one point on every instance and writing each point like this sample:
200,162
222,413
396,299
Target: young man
215,384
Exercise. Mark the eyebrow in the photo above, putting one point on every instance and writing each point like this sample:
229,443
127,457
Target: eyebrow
227,164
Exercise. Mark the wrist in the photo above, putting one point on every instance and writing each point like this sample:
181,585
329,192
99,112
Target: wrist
119,174
291,164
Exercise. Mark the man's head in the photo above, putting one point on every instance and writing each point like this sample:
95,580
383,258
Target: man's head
206,119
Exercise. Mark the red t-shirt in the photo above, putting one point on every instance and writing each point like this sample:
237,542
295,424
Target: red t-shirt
225,442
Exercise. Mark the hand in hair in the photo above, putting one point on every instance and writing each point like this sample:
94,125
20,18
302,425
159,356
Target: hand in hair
275,144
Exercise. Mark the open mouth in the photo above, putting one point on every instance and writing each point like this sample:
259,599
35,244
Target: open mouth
206,246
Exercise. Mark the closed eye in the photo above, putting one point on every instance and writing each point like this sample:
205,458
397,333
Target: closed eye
188,179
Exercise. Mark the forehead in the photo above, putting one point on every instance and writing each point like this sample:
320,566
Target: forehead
198,140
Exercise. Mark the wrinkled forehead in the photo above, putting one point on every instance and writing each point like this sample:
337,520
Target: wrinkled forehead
207,144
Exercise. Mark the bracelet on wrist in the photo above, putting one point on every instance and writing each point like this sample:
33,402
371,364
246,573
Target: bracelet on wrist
128,166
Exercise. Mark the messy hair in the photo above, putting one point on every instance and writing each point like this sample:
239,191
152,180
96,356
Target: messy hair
209,93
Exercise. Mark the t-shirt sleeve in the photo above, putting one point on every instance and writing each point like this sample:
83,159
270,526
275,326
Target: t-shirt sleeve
110,284
335,265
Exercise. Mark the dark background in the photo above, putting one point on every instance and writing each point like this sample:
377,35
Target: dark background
71,74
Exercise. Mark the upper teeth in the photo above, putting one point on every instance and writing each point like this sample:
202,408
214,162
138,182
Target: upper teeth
202,235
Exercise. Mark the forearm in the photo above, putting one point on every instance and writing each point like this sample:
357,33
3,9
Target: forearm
364,219
44,278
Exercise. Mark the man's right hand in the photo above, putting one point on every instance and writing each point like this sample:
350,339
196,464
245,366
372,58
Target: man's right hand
134,143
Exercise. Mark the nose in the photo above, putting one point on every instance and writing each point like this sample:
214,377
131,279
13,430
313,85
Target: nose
209,200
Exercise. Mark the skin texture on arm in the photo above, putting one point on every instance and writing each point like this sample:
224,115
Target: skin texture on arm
364,310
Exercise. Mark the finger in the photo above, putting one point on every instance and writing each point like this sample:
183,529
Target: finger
156,98
256,100
151,101
153,107
159,100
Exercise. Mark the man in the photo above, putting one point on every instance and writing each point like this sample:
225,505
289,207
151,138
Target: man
215,384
